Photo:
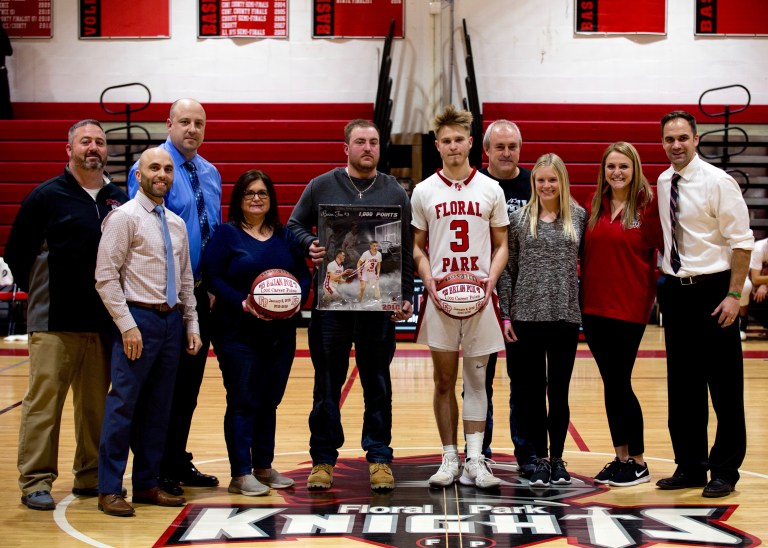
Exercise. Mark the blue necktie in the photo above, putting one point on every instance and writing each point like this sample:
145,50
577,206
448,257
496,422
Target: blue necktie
171,294
202,216
674,256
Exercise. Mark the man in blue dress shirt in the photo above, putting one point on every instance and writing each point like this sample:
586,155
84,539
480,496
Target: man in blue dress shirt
196,198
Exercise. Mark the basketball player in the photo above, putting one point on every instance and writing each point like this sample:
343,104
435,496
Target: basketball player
463,215
334,274
369,267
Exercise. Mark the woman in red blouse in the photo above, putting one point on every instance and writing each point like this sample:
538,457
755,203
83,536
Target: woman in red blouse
618,284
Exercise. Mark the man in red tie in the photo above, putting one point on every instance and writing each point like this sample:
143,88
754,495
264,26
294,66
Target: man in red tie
707,242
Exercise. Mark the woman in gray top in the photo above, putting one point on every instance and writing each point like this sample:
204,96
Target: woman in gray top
539,299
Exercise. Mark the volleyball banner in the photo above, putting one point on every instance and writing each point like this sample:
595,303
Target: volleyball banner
357,18
26,18
121,19
242,19
621,16
732,17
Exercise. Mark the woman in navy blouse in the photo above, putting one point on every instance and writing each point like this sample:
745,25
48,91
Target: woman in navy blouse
255,354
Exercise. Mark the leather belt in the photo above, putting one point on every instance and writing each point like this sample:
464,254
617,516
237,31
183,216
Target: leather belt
693,280
159,307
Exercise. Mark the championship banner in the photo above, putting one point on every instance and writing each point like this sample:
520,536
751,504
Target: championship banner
242,19
26,18
121,19
732,17
357,18
362,269
621,16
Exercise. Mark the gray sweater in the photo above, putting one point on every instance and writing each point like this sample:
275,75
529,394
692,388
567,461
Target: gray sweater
333,187
540,282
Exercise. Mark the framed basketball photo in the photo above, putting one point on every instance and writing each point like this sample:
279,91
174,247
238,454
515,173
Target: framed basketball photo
362,269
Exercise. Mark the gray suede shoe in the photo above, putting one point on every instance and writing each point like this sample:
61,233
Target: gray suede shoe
275,479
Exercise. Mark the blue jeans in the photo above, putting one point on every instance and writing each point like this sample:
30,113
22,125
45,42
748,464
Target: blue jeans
138,407
331,335
255,373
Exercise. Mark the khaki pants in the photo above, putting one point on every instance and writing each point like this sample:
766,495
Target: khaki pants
59,360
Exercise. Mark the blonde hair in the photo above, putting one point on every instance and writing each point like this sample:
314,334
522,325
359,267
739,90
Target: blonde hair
531,209
452,117
640,193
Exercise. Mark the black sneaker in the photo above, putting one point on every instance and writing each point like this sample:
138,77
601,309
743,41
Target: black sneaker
559,475
608,471
630,473
526,470
540,478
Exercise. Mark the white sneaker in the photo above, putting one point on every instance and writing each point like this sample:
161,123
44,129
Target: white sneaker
448,471
477,472
248,486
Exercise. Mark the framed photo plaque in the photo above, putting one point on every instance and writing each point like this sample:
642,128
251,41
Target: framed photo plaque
363,261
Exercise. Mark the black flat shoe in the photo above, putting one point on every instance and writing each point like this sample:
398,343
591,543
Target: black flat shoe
169,486
717,488
193,477
682,480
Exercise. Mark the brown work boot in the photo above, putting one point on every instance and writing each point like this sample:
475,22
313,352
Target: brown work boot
114,505
157,496
321,477
381,476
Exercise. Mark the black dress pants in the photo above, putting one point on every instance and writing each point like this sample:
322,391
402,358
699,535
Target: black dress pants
703,356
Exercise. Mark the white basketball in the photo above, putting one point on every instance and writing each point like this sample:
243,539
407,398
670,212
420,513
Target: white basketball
276,293
461,294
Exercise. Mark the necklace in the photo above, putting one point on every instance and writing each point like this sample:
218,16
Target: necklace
360,192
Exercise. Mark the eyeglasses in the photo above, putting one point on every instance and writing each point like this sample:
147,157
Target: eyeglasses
261,195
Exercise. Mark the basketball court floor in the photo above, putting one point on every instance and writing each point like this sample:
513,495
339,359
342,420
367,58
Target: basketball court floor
413,515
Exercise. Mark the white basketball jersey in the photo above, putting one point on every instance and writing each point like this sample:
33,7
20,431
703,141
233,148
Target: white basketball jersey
335,269
370,261
458,217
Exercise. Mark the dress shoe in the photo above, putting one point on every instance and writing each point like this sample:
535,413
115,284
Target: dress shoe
191,476
115,505
170,486
682,480
92,492
39,500
157,496
717,488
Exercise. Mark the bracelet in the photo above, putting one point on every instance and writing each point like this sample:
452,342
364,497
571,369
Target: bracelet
734,294
505,322
245,306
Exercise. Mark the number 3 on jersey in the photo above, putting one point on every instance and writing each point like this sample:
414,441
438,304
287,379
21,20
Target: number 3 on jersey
460,229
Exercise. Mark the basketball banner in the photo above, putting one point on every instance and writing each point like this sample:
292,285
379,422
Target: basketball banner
357,18
362,269
26,18
242,19
734,17
621,16
120,19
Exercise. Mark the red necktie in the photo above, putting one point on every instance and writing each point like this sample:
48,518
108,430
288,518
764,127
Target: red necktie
674,256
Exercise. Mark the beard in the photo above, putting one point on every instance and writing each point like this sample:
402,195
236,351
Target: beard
90,162
364,165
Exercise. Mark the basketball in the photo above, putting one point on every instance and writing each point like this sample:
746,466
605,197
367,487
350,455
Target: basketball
276,294
461,294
